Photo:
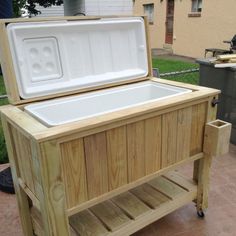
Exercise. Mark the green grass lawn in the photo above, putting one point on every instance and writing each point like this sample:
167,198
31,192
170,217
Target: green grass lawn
164,65
167,65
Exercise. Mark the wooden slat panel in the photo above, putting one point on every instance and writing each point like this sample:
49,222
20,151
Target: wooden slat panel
197,128
169,139
149,195
131,205
23,150
184,133
74,172
153,144
117,157
96,164
180,180
110,215
136,152
86,224
167,187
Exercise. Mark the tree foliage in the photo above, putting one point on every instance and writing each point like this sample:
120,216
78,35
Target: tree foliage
31,6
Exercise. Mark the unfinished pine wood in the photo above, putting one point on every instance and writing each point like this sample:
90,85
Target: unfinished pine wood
96,164
86,224
52,199
217,138
22,198
152,144
74,172
7,65
149,196
169,138
117,157
111,215
23,150
183,133
131,205
197,128
167,187
136,151
180,180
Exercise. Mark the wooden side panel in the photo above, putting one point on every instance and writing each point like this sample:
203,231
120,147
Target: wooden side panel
136,151
24,158
152,144
197,128
96,164
184,133
74,171
169,138
117,157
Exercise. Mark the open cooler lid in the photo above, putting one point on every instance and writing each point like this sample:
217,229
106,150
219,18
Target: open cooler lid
61,56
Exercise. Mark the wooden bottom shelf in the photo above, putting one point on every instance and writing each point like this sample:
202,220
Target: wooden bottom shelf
131,210
135,209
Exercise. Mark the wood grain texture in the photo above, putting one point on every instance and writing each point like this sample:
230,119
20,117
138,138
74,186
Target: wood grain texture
52,199
21,196
74,172
110,215
184,133
86,224
149,196
169,138
136,151
131,205
197,128
96,164
117,157
24,156
153,140
167,187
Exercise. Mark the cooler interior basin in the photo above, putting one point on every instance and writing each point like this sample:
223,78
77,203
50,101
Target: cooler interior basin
65,110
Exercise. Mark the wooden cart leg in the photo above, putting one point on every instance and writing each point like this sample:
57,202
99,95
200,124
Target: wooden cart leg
21,196
52,199
202,176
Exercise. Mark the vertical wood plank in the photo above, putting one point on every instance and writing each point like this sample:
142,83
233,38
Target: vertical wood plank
136,151
169,137
96,164
197,128
184,133
74,171
52,199
152,144
117,157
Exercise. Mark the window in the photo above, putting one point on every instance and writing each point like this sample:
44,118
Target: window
148,11
196,5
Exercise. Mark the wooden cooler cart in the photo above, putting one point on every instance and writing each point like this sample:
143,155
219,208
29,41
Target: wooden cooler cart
100,160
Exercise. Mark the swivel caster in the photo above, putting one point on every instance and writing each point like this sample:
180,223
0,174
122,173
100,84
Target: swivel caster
200,214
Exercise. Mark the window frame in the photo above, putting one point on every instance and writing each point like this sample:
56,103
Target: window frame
150,21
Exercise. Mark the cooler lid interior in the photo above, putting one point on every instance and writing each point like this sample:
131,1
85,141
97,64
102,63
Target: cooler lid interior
62,56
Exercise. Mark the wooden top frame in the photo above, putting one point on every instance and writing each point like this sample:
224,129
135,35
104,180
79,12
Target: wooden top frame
9,72
36,130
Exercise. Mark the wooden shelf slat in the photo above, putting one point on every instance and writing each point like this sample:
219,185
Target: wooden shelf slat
131,205
86,224
150,196
111,215
167,187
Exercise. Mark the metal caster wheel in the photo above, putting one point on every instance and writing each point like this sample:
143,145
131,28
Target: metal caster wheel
200,214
